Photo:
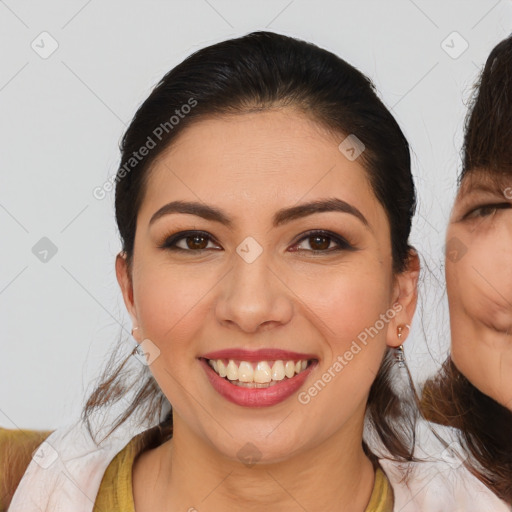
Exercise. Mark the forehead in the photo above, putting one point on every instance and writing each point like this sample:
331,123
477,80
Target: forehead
259,160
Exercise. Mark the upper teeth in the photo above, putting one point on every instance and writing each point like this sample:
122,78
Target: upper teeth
260,372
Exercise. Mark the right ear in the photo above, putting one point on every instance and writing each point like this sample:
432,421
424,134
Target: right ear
124,278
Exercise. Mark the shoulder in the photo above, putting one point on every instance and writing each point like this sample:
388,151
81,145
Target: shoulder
67,475
437,486
16,449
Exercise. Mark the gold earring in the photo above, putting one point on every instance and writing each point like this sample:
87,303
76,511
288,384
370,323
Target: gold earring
400,328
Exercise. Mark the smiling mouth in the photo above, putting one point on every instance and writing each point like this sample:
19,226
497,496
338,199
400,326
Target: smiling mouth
258,374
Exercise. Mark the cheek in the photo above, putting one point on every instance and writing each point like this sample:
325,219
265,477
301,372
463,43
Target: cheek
493,263
172,303
347,307
480,283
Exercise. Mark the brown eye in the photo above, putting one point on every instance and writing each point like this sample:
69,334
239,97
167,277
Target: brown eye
483,211
196,242
193,241
320,241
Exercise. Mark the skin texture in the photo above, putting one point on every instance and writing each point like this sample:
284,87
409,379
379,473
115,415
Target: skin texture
479,283
250,166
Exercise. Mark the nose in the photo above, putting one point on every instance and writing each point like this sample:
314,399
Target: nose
253,297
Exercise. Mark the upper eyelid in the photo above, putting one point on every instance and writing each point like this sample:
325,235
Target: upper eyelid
501,204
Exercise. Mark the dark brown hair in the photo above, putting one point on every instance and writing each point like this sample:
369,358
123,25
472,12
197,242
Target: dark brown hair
259,71
484,426
488,130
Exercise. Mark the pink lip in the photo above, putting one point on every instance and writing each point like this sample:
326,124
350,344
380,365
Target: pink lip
255,397
263,354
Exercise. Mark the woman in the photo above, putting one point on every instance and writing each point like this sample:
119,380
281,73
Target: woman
264,201
474,390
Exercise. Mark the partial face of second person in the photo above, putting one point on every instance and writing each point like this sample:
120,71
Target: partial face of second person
479,283
294,292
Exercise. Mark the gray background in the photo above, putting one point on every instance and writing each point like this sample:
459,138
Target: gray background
62,117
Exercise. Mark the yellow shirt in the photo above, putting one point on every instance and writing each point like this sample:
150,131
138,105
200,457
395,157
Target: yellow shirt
115,492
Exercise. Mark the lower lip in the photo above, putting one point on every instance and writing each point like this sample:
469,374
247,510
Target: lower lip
256,397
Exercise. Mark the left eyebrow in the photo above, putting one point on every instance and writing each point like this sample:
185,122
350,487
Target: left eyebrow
490,185
479,188
323,205
281,217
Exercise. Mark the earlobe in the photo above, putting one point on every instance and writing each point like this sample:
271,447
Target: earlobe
397,334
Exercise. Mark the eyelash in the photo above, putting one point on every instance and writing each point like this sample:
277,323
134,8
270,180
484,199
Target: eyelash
170,242
492,207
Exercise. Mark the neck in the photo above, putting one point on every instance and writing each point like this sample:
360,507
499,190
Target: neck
185,473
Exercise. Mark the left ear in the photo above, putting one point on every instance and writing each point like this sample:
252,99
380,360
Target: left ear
405,298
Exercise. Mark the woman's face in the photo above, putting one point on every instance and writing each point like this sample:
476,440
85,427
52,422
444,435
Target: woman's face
247,274
479,283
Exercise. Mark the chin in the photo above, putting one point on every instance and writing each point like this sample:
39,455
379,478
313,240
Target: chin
258,450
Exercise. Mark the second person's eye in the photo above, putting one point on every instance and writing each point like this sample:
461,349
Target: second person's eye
485,210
